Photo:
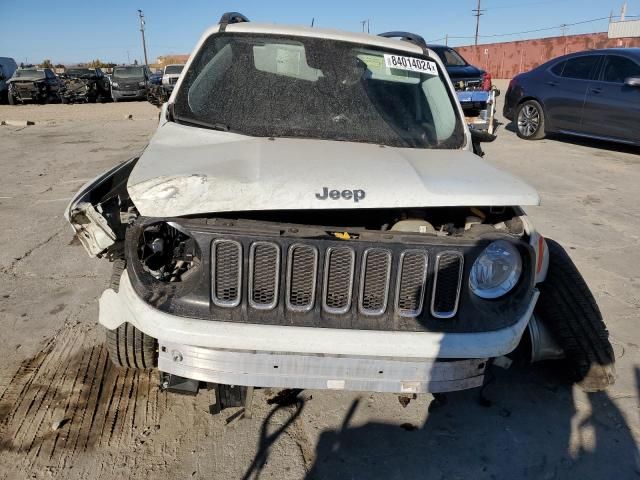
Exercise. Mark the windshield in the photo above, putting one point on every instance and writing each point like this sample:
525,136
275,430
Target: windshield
268,86
128,72
78,72
29,74
173,69
449,57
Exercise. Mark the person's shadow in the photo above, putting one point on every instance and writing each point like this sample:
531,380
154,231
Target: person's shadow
534,427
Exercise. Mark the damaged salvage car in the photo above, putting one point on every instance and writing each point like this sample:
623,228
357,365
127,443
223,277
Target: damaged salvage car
88,85
37,85
310,214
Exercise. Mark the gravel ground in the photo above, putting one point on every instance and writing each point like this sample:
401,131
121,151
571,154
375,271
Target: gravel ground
65,413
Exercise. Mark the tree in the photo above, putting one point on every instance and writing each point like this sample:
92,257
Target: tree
46,63
135,62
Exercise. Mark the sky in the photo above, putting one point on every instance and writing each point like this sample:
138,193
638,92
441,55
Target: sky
69,31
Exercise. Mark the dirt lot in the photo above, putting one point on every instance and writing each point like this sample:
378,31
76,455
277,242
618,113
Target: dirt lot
65,413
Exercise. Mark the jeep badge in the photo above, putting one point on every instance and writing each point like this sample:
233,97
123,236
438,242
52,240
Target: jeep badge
355,195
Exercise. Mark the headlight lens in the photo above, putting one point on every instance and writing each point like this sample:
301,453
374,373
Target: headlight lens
496,271
141,84
114,84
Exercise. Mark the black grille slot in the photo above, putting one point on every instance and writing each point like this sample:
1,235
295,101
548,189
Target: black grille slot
338,279
226,272
302,271
412,279
446,290
264,275
374,281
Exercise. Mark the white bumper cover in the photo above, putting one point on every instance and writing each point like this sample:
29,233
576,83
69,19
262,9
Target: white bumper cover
126,306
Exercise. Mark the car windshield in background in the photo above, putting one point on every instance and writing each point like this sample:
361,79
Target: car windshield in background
268,86
29,74
173,69
128,72
78,72
449,57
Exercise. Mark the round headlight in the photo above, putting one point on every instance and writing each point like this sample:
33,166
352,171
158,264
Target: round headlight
496,271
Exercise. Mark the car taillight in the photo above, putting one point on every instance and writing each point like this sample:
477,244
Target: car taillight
486,81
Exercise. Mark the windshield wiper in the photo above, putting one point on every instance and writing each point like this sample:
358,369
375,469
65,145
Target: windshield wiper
199,123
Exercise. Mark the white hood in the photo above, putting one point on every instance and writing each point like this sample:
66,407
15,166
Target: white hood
188,170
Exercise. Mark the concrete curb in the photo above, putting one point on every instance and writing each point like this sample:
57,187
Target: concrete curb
17,123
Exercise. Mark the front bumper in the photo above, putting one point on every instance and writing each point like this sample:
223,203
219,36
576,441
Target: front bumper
132,94
310,357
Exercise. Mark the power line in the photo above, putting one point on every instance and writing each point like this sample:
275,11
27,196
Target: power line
478,14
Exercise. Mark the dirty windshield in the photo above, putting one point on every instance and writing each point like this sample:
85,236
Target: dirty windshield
318,88
173,69
128,72
80,72
29,74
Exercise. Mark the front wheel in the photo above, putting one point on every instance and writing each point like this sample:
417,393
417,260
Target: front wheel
129,347
11,99
530,120
568,309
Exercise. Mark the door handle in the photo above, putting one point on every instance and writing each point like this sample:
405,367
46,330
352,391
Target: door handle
596,90
552,84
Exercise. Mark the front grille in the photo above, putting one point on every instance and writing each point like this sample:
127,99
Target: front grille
338,279
448,279
264,275
335,278
226,265
172,81
301,277
412,281
374,281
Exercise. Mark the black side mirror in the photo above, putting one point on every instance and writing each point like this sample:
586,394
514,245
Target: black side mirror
478,137
632,82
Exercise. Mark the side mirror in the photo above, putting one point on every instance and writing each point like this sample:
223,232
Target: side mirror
478,137
632,82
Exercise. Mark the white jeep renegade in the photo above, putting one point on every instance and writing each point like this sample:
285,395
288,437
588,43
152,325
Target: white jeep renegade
311,214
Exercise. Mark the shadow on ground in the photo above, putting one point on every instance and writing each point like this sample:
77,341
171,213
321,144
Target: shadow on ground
534,426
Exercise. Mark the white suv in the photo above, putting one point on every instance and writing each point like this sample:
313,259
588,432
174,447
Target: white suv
170,76
311,214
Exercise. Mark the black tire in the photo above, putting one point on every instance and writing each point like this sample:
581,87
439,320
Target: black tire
129,347
11,99
529,120
568,309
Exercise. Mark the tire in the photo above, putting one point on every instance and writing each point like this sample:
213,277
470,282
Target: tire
529,120
11,99
127,346
568,309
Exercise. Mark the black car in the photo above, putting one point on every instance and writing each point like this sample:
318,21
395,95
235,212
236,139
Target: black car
38,85
593,94
85,85
130,82
464,76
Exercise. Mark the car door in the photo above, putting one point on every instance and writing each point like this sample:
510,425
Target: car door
565,91
612,109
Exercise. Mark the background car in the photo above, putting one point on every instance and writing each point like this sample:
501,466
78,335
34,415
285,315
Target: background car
130,82
464,76
170,76
85,85
39,85
593,94
7,67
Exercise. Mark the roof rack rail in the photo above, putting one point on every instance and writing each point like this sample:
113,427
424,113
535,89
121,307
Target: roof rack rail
407,37
231,17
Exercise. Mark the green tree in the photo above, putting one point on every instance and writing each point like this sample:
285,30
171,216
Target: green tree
46,63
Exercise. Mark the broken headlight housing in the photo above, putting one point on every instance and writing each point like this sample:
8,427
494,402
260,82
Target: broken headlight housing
496,270
167,252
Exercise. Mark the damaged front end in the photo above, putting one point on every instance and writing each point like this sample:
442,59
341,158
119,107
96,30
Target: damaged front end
101,211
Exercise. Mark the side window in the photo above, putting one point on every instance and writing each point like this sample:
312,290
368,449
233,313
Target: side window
49,74
580,67
618,69
558,68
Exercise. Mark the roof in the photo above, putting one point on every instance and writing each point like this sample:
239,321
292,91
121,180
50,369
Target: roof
299,31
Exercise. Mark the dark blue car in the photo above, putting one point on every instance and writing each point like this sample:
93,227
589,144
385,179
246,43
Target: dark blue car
593,94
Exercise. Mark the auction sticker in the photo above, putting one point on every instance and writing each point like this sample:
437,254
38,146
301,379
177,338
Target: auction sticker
411,64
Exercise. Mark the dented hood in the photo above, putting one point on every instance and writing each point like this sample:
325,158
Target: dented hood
188,170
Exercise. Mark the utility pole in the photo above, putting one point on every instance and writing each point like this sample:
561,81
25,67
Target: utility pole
479,12
363,23
144,43
623,12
